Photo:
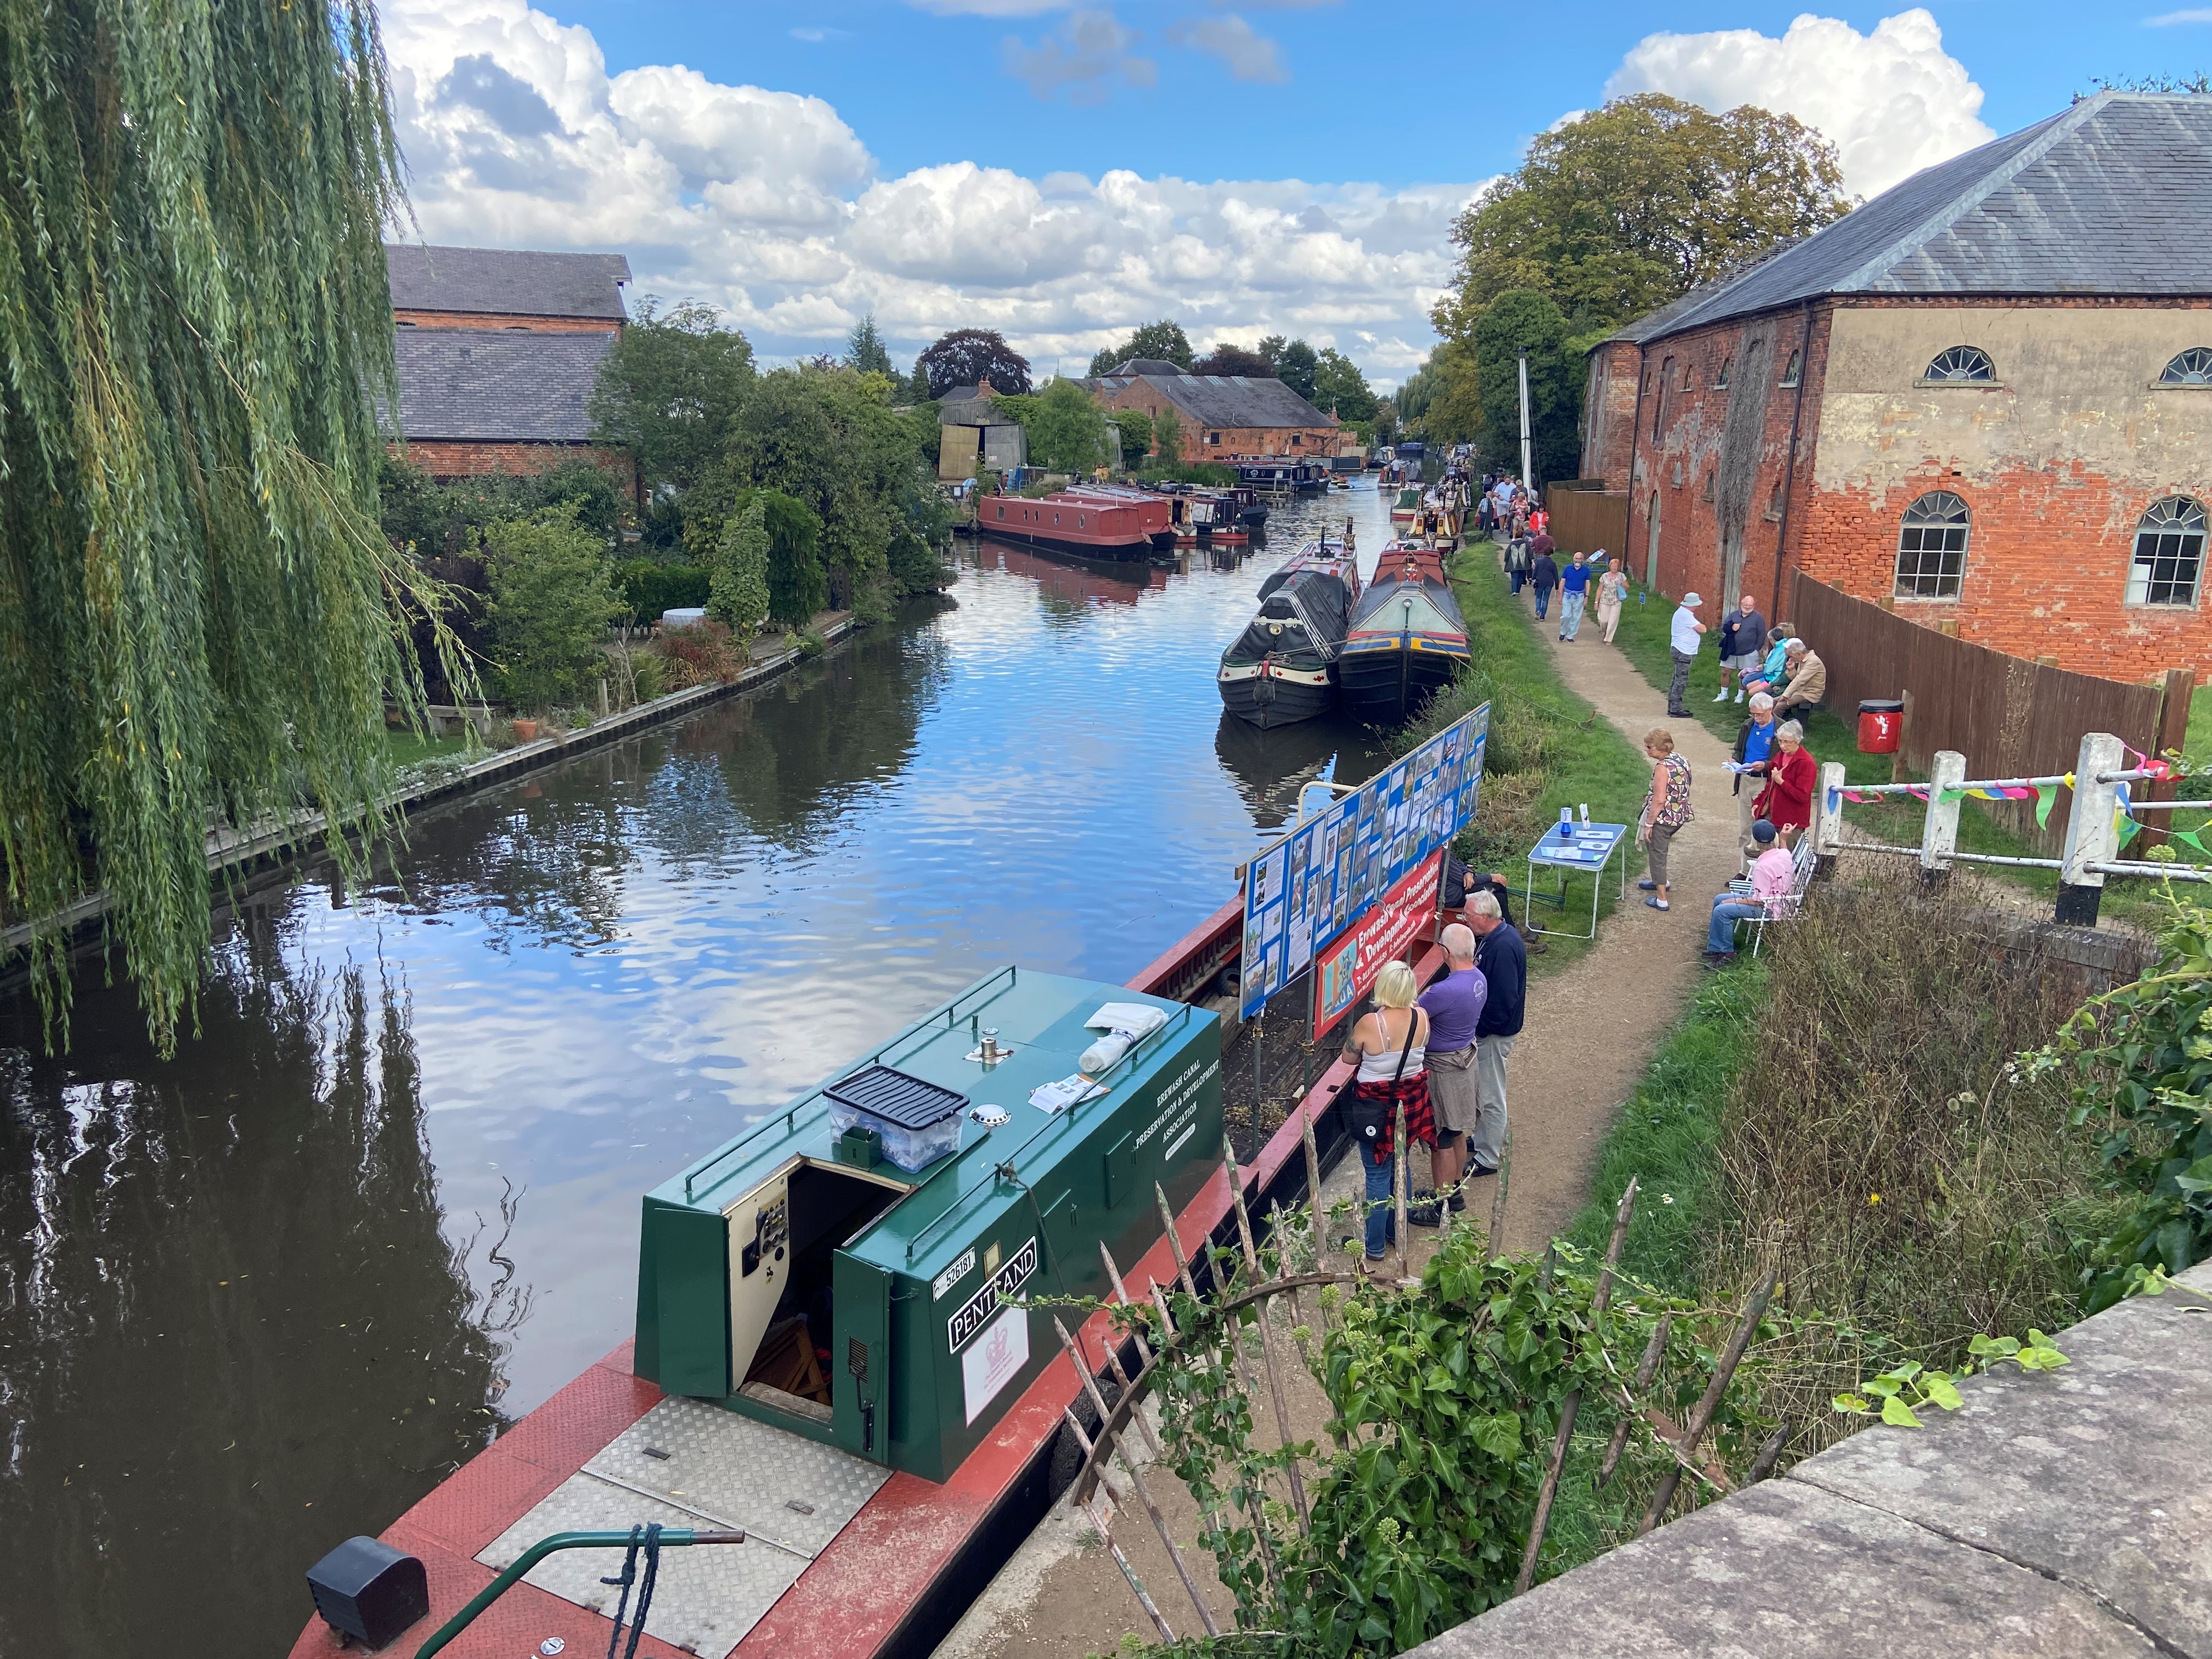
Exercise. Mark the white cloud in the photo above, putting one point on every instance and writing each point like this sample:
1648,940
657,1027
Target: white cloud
1892,101
770,205
1249,55
2167,20
1089,56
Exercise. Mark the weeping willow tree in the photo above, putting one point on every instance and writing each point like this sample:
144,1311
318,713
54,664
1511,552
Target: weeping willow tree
196,611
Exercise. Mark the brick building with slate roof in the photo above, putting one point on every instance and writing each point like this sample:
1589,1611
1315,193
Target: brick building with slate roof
1224,417
1983,399
498,350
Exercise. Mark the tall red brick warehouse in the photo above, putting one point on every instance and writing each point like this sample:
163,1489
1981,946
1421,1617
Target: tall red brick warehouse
1985,399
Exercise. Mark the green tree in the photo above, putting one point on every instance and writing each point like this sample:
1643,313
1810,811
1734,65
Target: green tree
196,619
1167,437
670,390
865,349
1386,421
917,384
1295,366
798,587
969,356
738,595
1629,207
1341,388
1452,412
1227,359
1066,429
1136,434
552,596
1523,317
1163,342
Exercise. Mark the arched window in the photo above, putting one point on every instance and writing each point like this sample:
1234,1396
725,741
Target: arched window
2192,368
1961,363
2169,559
1931,548
1794,369
1721,380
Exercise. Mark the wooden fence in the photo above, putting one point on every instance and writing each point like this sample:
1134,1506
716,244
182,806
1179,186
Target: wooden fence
2015,718
1584,520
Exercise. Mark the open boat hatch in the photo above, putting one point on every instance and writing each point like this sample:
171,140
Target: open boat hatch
843,1269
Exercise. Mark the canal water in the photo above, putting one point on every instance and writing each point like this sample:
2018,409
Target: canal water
264,1296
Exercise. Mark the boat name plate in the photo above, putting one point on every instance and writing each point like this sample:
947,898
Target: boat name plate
971,1316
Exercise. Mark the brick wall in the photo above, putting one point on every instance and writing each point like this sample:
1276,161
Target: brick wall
1609,413
502,319
444,459
1716,458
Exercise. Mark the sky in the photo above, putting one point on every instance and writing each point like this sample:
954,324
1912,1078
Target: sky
1062,172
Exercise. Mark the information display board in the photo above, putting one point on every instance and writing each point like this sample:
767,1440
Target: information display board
1321,880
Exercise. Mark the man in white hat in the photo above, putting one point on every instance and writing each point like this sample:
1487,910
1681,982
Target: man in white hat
1683,643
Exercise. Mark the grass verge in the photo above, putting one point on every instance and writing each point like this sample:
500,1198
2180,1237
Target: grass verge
1548,748
406,749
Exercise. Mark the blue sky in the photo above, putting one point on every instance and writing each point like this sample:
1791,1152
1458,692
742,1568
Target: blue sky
1063,172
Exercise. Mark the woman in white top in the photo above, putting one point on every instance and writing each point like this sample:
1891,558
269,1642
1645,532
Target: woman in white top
1390,1046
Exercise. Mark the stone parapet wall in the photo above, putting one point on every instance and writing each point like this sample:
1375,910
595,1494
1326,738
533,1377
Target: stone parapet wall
2065,1515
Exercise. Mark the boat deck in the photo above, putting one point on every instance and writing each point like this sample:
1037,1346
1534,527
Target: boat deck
877,1566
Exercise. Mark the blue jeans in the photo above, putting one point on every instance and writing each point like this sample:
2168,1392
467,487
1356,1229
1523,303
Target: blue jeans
1726,912
1571,613
1382,1207
1543,600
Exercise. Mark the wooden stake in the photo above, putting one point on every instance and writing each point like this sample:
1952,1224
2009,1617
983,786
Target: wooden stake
1174,1242
1313,1192
1739,1340
1646,1369
1137,1480
1096,1510
1497,1243
1398,1188
1122,1295
1572,1404
1769,1453
1121,1376
1261,1314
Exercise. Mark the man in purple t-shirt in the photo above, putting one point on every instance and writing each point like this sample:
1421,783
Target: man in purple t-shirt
1454,1005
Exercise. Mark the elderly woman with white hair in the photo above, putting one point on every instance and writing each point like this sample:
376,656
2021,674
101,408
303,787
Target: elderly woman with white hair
1390,1046
1791,773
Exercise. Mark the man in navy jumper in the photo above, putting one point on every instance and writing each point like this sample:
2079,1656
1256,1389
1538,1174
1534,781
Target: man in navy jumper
1503,961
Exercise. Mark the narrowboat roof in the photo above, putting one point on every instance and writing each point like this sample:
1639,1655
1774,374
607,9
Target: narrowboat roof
1040,1017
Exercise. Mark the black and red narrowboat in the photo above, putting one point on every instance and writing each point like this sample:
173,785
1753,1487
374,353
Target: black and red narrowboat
1407,639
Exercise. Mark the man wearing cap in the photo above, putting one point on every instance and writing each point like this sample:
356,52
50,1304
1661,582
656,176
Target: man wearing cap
1773,873
1682,642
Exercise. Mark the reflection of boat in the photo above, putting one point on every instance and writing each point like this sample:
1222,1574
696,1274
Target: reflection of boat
1096,522
1282,667
1078,580
1406,638
1270,767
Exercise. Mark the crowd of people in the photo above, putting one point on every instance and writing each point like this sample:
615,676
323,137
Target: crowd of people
1440,1054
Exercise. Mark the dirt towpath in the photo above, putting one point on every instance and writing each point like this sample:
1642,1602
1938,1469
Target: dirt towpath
1588,1034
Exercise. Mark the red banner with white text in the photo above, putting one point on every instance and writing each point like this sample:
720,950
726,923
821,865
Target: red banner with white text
1345,969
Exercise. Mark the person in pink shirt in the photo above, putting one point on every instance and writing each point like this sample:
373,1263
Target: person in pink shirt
1773,873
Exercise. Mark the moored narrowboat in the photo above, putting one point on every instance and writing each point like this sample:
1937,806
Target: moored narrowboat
1094,522
1282,668
1407,639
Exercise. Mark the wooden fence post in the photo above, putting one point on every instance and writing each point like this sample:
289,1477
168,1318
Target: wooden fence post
1939,831
2092,837
1828,816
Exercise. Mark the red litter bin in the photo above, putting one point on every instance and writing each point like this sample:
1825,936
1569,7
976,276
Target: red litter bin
1881,725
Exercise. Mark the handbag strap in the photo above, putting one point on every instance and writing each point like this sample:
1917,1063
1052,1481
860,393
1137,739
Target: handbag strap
1413,1023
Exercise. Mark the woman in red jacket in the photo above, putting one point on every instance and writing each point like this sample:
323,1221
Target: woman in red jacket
1792,773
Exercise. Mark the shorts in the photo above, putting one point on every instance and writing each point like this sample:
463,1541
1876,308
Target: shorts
1454,1098
1747,663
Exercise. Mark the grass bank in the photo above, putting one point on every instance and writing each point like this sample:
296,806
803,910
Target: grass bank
1548,748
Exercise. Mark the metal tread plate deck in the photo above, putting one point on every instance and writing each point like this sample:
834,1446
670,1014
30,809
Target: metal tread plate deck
791,1495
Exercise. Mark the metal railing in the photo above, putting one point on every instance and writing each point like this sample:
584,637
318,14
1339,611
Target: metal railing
2102,803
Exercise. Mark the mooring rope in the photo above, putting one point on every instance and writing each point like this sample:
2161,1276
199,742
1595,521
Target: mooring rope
648,1538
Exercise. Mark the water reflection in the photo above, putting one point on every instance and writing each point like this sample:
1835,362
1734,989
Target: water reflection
232,1307
568,988
1271,767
